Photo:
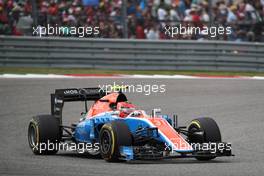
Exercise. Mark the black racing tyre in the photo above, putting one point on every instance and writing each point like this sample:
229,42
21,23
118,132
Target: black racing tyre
44,131
210,129
112,136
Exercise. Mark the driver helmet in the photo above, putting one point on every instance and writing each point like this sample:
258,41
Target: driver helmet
125,108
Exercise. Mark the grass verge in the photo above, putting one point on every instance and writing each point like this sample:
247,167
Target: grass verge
34,70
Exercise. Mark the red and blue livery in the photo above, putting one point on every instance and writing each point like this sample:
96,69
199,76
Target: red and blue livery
124,132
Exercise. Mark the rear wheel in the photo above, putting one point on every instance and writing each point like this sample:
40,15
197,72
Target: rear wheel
112,136
210,131
44,134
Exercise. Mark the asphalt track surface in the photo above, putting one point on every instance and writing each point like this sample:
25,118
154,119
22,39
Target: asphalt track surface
237,106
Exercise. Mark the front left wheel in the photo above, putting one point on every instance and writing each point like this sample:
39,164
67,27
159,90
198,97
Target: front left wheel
210,130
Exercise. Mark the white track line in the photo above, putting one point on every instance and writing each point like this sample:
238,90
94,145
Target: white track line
33,76
55,76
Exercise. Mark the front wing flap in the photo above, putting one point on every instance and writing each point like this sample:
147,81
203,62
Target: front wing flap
154,153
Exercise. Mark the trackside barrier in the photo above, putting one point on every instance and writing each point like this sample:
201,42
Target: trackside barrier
131,54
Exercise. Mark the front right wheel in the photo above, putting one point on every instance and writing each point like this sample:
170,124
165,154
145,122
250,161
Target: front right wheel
112,136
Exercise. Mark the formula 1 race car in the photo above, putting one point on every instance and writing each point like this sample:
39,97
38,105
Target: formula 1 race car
117,130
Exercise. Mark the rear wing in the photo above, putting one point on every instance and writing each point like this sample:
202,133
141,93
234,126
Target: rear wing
81,94
73,94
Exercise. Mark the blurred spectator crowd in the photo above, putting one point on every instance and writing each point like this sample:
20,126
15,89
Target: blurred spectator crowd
145,18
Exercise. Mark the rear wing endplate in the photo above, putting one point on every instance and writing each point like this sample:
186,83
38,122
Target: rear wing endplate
73,94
